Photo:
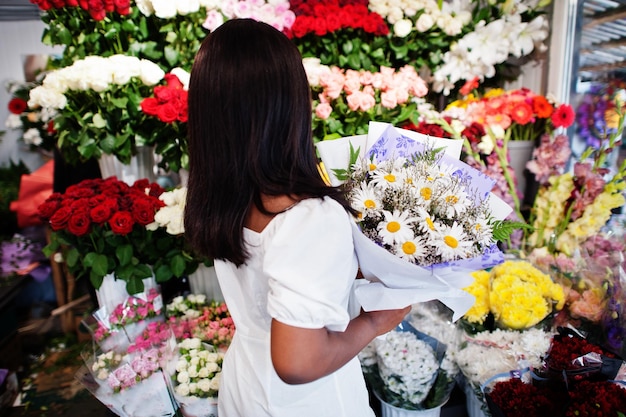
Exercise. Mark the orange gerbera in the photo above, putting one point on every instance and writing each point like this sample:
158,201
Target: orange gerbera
522,113
542,108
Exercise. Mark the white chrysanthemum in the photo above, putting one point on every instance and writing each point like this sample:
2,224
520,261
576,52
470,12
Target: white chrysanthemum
451,242
412,249
396,227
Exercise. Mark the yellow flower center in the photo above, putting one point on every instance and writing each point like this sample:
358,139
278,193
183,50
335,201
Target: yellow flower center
370,204
390,178
478,227
451,241
426,193
452,199
409,248
430,224
372,166
393,226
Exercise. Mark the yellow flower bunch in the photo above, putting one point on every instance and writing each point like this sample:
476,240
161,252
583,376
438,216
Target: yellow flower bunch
516,293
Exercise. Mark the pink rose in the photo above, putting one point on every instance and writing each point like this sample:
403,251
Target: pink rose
323,110
388,99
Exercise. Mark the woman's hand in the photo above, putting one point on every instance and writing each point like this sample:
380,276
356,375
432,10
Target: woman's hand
384,321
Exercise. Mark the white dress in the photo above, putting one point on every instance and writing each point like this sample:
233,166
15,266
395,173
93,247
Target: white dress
301,271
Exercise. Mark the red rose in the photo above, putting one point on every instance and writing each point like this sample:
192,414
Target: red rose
101,213
150,106
122,7
59,219
167,113
79,223
164,94
122,223
48,208
173,81
71,3
143,212
17,105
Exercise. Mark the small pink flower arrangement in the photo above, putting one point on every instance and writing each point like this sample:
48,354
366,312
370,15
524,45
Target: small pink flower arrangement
136,309
154,335
141,367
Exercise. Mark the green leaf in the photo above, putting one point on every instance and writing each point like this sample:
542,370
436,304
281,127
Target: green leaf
178,265
98,121
143,271
124,253
163,273
100,264
134,286
96,279
71,257
502,229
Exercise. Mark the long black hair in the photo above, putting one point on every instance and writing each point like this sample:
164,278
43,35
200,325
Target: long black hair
249,134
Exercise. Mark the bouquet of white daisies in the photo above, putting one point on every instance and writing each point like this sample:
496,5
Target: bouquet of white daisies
424,207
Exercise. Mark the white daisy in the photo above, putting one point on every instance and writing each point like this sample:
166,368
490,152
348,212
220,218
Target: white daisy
383,178
481,230
454,203
451,243
365,200
425,222
412,250
396,227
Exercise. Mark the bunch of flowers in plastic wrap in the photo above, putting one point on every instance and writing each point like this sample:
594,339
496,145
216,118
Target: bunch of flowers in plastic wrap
403,366
193,316
196,377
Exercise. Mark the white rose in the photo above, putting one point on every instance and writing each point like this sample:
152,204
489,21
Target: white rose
402,28
193,387
164,9
150,73
193,372
424,22
185,7
102,374
204,384
212,357
145,7
212,367
182,377
46,97
195,360
181,365
215,382
32,137
204,373
182,389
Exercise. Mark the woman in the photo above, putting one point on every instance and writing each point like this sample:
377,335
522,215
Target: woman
280,237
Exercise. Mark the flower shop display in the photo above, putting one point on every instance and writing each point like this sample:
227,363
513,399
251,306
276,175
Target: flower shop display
196,378
576,378
36,124
97,100
573,205
105,226
509,326
596,117
510,118
404,369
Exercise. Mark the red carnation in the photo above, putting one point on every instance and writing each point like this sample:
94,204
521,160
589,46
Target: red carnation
563,116
17,105
79,223
122,223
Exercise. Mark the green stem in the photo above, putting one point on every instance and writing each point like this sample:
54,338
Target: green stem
502,158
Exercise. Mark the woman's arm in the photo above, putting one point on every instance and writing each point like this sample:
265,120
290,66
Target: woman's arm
305,355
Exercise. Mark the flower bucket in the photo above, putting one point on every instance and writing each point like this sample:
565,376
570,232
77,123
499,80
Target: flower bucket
520,152
141,166
204,281
476,406
388,410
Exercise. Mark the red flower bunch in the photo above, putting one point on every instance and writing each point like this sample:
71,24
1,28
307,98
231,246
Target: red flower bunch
567,353
321,17
596,399
169,106
100,226
169,103
96,8
525,114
